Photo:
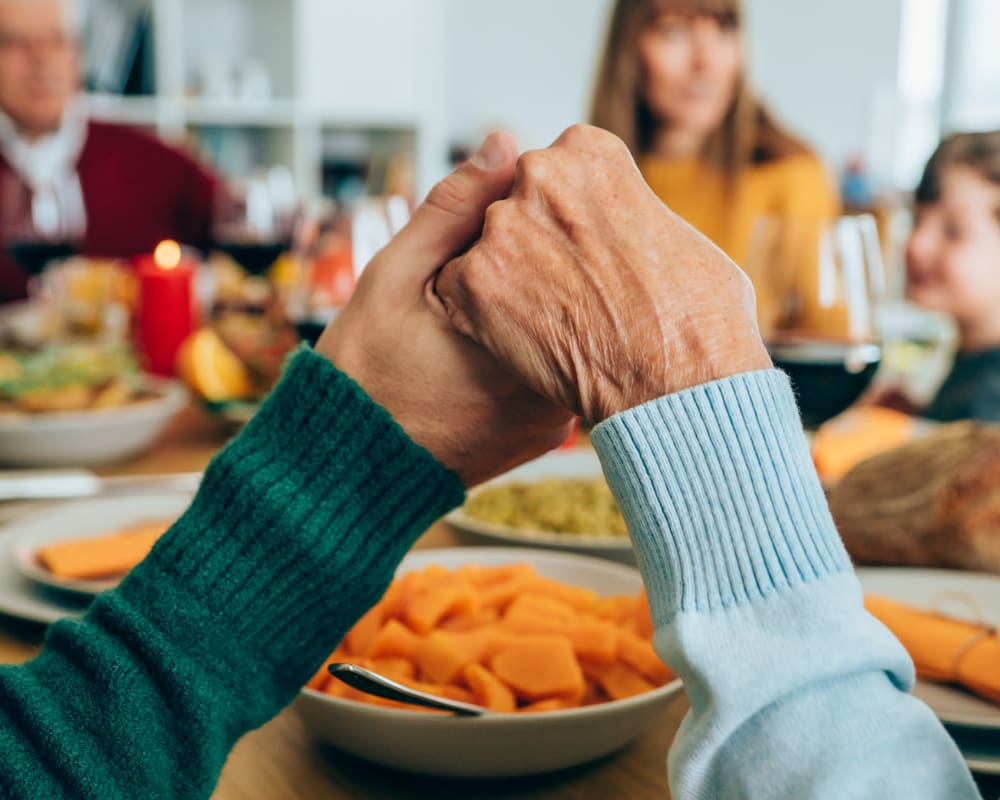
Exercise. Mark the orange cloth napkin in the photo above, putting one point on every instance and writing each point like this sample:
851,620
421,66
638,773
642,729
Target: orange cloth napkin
944,649
856,435
101,556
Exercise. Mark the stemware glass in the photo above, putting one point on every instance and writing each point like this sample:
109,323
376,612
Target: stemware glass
332,247
38,227
324,264
254,219
820,293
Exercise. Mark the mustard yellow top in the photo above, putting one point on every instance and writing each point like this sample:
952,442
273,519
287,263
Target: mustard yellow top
798,187
793,188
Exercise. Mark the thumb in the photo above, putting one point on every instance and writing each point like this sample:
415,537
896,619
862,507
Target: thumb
451,217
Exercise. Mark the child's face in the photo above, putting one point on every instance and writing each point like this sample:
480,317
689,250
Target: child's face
953,255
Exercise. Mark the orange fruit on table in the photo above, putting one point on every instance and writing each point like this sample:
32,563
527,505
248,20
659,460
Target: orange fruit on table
210,368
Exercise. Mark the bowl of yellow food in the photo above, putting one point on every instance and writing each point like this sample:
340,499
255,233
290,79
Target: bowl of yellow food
557,646
559,501
80,404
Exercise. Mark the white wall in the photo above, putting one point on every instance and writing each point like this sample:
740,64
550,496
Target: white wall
361,60
527,65
829,69
522,65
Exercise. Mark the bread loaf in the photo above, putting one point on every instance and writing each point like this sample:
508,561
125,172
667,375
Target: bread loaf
933,503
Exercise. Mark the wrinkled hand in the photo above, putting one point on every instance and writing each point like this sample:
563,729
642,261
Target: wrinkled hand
445,390
593,292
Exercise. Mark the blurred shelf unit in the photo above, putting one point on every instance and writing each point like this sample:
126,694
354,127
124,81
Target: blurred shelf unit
316,85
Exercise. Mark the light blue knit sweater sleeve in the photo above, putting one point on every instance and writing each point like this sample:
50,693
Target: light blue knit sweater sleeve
796,691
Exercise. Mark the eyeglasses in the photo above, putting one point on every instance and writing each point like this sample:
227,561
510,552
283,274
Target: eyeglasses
26,45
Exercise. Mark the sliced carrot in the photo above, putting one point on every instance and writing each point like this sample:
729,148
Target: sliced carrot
360,636
472,621
497,638
397,596
431,576
548,704
500,594
318,681
395,668
616,608
323,676
618,680
643,618
488,689
459,693
639,654
395,640
575,596
433,604
337,688
340,689
594,639
537,667
483,577
538,613
443,654
101,556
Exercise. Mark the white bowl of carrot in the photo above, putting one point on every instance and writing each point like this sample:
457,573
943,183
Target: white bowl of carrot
557,643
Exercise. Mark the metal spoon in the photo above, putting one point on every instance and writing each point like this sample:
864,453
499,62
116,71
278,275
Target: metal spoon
372,683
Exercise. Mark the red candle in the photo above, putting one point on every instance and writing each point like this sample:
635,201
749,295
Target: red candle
166,305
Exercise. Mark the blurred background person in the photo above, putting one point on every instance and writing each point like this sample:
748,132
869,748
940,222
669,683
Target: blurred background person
672,83
952,260
66,180
953,266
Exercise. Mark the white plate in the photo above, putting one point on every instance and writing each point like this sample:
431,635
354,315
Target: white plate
927,588
86,438
21,538
22,598
576,463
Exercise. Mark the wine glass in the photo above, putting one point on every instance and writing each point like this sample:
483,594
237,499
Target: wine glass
820,293
324,268
332,247
41,225
254,219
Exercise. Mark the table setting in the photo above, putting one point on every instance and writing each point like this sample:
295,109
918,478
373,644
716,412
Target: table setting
293,756
104,438
311,736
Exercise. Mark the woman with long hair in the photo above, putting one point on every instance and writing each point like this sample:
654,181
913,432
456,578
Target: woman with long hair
672,83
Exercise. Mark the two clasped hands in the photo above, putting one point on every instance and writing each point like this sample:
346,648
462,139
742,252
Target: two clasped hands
526,288
523,291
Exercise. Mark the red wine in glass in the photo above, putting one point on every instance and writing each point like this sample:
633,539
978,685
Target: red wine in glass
255,257
828,375
32,256
310,330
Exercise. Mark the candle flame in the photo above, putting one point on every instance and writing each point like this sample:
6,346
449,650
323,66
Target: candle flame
167,254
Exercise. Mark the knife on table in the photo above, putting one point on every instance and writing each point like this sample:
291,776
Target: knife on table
71,483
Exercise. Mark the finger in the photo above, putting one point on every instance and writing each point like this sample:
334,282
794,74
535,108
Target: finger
451,217
448,290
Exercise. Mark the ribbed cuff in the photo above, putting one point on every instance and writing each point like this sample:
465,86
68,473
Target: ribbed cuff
720,494
298,526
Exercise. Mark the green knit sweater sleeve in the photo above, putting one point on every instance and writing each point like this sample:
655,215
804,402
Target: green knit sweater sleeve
297,529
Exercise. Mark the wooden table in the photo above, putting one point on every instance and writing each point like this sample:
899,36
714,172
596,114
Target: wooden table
281,762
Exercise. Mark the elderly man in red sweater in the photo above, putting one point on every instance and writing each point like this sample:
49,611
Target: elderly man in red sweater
115,191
